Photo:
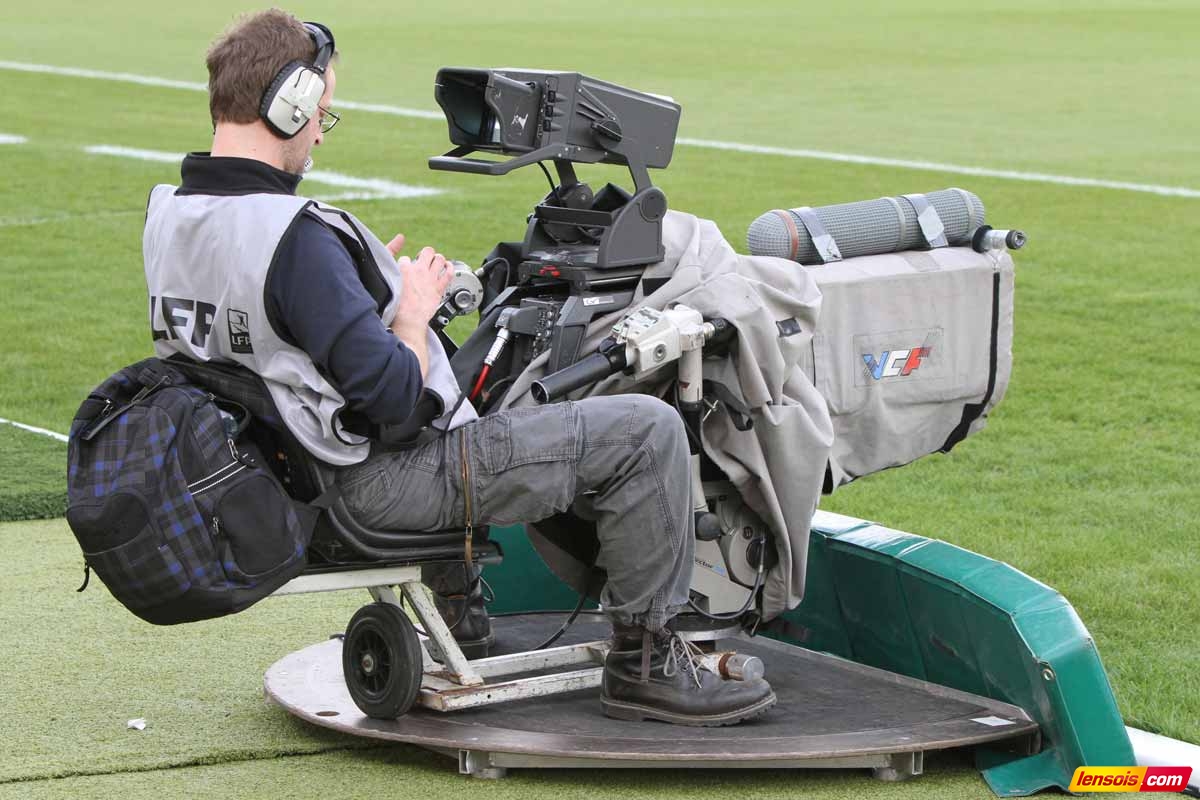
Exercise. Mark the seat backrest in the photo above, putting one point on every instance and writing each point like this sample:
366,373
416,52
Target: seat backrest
338,537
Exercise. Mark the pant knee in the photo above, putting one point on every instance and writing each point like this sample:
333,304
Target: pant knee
632,421
655,415
658,423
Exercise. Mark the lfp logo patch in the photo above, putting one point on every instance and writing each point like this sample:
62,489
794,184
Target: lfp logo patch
895,363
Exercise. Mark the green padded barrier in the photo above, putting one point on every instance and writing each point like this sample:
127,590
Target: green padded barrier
930,610
523,582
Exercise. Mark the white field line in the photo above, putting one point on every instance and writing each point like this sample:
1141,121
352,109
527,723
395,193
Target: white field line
17,222
119,77
133,152
167,83
395,111
933,166
32,429
381,187
12,138
821,155
369,188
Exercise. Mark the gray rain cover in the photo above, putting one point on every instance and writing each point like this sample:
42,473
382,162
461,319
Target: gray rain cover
913,350
778,466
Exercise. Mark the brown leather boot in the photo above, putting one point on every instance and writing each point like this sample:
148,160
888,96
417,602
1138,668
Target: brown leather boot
658,676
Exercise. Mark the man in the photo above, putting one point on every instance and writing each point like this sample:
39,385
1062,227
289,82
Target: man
308,298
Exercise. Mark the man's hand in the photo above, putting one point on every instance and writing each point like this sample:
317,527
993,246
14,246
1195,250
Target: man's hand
423,288
423,285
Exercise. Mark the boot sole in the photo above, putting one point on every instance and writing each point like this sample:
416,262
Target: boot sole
637,713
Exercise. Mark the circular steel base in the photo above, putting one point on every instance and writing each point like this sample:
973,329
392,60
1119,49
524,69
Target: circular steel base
831,713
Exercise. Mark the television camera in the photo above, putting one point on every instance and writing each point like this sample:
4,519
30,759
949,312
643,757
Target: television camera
582,256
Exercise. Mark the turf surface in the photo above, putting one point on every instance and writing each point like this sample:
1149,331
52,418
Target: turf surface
78,668
1083,478
32,475
408,772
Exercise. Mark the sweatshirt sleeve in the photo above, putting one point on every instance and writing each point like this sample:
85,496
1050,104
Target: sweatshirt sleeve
318,303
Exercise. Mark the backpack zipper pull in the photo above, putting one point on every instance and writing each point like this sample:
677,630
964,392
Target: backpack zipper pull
87,576
96,422
149,389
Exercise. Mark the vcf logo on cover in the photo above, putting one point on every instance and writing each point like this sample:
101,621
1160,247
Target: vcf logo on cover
895,363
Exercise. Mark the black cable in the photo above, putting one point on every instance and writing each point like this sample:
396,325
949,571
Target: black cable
462,614
492,389
594,611
450,417
553,188
758,581
565,625
422,631
492,262
591,232
735,614
691,432
758,577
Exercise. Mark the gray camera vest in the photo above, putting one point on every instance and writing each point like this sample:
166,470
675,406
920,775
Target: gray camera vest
207,259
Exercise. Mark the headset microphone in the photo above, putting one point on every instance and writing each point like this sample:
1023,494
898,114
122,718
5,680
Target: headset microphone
291,99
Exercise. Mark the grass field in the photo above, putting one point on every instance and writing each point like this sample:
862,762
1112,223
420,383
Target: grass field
1085,477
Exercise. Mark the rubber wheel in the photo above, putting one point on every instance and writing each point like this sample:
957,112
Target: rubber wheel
381,661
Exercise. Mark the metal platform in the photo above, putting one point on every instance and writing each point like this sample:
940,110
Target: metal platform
831,713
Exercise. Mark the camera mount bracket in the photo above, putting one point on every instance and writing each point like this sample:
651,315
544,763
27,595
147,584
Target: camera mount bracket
590,248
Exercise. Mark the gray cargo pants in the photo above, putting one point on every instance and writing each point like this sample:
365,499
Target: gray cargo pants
524,465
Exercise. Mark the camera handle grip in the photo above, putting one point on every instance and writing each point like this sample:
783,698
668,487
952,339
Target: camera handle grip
607,361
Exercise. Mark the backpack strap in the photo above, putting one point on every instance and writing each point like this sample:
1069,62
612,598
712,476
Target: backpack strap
310,512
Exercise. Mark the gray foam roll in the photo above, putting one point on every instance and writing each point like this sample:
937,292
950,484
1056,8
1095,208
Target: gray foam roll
866,228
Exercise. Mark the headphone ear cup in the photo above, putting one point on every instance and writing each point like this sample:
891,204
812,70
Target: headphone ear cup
278,113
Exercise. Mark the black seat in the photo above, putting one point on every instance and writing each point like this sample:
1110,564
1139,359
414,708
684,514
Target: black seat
339,541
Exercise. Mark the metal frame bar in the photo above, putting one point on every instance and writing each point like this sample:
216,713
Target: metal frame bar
460,682
490,764
458,667
441,692
349,579
440,695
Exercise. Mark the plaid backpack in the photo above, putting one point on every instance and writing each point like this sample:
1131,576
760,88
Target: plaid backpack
179,517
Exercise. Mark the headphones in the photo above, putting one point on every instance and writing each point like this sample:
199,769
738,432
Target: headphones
291,99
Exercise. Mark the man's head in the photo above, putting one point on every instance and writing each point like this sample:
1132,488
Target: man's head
243,65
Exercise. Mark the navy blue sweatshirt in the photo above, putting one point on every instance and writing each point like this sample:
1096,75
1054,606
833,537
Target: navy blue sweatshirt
316,300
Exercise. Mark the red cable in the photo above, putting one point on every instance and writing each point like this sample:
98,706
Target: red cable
479,383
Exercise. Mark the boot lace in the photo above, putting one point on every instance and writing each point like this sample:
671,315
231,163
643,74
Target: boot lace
682,654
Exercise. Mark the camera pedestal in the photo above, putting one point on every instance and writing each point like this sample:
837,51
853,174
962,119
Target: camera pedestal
831,713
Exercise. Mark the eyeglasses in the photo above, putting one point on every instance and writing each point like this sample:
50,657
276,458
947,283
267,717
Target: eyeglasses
328,119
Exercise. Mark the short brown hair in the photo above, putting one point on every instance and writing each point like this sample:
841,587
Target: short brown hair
247,57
